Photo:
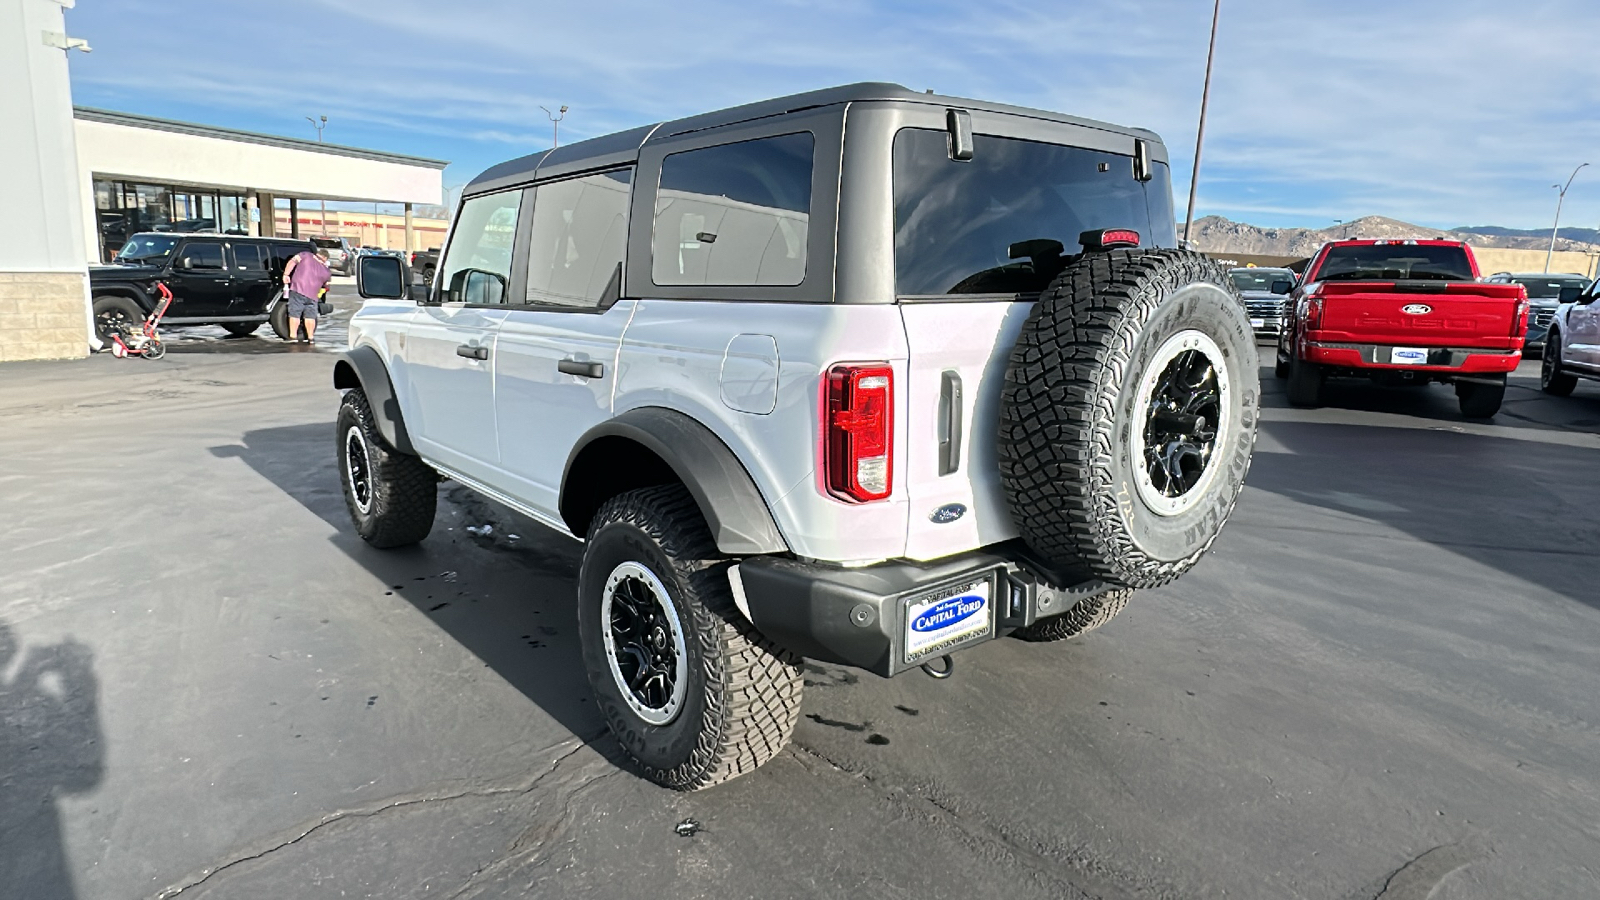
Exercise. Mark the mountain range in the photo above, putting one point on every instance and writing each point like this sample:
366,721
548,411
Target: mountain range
1216,234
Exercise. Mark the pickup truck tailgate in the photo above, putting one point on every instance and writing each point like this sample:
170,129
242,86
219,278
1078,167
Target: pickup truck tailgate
1419,313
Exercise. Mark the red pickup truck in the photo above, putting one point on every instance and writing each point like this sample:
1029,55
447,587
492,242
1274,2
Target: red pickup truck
1403,312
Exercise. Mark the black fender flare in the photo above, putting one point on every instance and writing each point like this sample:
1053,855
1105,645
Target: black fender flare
363,368
141,297
740,520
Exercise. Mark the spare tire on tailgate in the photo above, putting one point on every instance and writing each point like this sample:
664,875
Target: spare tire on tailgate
1128,416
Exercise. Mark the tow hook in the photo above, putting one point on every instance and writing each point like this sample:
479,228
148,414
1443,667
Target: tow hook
941,674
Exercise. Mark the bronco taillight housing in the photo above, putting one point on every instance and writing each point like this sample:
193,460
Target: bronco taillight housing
858,431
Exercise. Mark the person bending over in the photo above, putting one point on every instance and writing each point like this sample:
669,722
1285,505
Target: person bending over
304,278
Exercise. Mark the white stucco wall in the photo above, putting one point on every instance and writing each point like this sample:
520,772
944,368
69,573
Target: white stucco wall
43,228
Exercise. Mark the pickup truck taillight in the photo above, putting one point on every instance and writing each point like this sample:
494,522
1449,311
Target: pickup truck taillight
858,431
1314,311
1519,320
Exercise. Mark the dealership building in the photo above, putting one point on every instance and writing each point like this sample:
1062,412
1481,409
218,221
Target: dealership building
74,182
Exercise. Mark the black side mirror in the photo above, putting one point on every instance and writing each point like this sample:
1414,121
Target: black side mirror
1282,287
382,278
1569,294
477,287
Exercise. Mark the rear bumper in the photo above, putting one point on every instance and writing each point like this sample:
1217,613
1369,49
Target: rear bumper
1467,360
857,617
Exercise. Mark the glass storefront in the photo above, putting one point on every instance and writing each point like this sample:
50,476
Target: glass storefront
124,208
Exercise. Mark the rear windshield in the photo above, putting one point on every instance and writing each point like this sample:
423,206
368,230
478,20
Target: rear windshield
1550,288
330,243
1005,221
1395,262
1259,279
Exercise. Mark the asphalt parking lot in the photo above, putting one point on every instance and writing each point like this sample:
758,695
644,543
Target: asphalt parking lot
1382,683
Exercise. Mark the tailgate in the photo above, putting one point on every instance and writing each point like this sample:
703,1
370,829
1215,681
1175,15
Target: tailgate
1419,313
958,353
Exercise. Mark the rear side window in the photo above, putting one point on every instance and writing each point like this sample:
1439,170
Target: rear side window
249,257
1395,262
1004,221
735,214
282,253
202,255
477,267
576,243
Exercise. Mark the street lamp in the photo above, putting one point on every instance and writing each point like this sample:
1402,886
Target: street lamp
555,125
319,125
1200,135
1561,197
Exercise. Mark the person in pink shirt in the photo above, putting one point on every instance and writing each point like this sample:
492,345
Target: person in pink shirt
304,278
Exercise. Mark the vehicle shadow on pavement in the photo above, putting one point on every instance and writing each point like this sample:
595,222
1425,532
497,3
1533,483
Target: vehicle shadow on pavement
50,746
505,594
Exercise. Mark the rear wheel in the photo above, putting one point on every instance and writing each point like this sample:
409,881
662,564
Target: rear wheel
1481,399
1552,380
1089,614
690,689
240,329
1280,368
392,497
1305,382
115,315
279,319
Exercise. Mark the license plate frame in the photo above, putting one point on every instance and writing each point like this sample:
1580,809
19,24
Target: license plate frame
923,638
1258,323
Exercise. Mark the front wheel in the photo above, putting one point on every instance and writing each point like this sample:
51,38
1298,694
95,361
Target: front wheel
1481,399
115,315
1552,380
392,497
690,689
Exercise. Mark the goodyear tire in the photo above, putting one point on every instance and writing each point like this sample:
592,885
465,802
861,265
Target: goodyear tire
392,497
1089,613
1128,416
692,692
1552,380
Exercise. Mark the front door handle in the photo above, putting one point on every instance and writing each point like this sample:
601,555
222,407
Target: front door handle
472,352
586,369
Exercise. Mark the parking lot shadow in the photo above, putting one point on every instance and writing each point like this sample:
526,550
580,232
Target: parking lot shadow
505,594
50,746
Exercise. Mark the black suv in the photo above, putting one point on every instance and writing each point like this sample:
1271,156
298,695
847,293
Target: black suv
215,279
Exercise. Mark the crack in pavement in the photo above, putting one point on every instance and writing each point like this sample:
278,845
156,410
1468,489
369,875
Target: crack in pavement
1422,873
300,833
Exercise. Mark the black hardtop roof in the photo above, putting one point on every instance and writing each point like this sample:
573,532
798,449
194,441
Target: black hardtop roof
622,147
217,235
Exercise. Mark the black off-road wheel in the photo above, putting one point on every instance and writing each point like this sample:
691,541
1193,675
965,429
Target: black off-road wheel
1481,399
279,320
1305,383
1552,380
115,315
692,692
1090,613
391,496
1128,416
240,329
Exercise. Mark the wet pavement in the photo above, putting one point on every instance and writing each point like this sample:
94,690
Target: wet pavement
1382,683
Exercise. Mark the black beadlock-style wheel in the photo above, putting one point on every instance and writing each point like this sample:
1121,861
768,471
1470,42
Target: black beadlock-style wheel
1128,416
1552,380
692,692
1481,399
115,315
1089,613
392,497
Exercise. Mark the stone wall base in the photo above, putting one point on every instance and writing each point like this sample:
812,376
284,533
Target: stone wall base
41,316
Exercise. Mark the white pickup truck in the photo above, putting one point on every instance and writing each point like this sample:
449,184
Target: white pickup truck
862,375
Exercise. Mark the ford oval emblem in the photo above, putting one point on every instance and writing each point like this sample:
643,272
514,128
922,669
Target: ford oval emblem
948,612
947,513
1416,309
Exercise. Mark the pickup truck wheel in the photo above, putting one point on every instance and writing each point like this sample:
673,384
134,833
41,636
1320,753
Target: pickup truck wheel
1552,380
279,319
1481,400
392,497
1280,367
1128,416
115,315
691,690
240,329
1305,382
1089,614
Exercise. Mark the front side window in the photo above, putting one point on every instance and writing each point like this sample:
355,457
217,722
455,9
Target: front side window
477,267
576,244
734,214
1004,221
202,255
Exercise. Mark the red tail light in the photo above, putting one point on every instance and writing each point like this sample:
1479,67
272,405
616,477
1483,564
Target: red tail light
858,431
1519,320
1314,311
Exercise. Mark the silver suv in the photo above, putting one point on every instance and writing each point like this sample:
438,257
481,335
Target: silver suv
861,375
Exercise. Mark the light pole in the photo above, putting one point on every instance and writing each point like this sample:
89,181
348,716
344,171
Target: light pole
319,126
1554,228
555,125
1200,135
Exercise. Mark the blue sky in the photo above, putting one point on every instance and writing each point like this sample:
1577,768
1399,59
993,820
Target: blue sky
1440,112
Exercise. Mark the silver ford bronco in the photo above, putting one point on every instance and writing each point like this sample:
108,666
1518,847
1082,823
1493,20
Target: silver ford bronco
862,375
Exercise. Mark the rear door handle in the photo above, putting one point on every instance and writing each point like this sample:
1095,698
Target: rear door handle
472,352
586,369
